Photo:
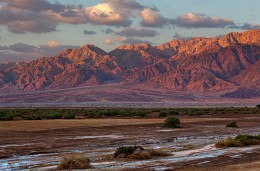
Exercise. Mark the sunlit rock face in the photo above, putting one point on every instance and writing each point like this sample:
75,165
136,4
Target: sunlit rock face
198,65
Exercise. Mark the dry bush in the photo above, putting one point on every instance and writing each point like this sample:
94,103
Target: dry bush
74,162
138,153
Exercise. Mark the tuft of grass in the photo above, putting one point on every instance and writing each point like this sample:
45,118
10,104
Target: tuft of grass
239,141
139,154
157,152
172,122
74,162
232,124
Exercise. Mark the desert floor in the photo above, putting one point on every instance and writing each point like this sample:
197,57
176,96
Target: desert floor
40,145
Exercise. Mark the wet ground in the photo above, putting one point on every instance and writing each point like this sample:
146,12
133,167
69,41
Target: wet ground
191,147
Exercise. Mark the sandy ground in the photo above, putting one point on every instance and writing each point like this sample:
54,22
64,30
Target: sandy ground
39,144
29,125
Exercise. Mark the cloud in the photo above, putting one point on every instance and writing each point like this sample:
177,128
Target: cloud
108,14
137,32
4,47
108,41
119,39
193,20
246,26
36,6
151,18
53,43
123,40
120,13
21,47
129,4
25,52
179,37
87,32
41,16
108,31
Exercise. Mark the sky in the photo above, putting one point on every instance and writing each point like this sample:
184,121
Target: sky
34,28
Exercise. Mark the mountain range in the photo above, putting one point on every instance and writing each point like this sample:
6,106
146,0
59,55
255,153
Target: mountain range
226,67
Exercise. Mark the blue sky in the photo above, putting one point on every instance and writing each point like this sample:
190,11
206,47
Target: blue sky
30,28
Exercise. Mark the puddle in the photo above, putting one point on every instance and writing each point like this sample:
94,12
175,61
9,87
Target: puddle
167,130
100,136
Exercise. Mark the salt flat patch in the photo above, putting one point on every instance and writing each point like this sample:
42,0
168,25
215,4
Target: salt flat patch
99,136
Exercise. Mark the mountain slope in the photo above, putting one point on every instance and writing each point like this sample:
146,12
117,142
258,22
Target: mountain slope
198,65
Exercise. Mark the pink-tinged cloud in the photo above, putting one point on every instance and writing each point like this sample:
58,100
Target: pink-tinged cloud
151,18
193,20
108,41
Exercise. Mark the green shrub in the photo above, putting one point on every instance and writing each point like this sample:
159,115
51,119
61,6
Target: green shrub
163,114
69,115
5,116
33,117
171,122
173,112
140,113
232,124
74,162
239,141
54,116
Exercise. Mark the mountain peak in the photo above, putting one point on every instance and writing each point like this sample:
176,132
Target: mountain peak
247,37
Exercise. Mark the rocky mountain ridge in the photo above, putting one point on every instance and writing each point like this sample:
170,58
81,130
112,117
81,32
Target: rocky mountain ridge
197,65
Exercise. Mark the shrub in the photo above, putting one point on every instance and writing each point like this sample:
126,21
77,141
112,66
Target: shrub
54,116
239,141
33,117
138,153
124,152
140,113
5,117
157,152
173,112
69,116
163,114
232,124
74,162
230,142
171,122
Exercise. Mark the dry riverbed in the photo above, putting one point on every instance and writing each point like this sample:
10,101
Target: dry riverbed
40,145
